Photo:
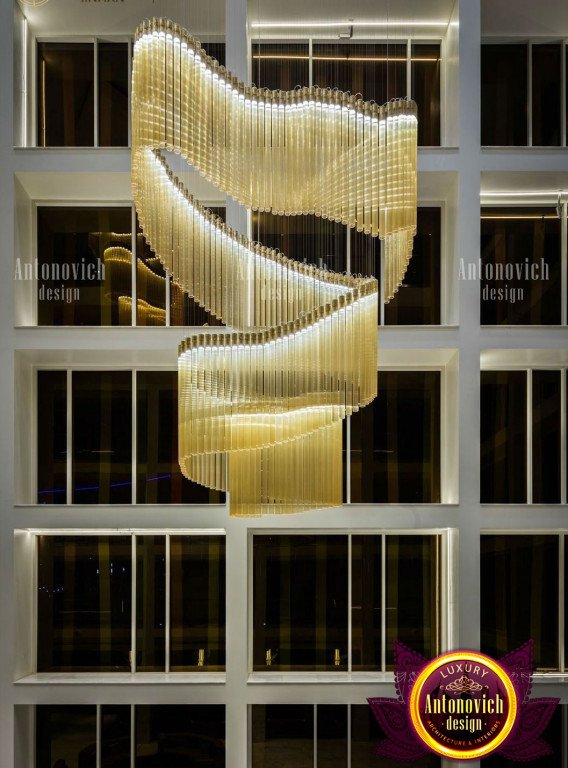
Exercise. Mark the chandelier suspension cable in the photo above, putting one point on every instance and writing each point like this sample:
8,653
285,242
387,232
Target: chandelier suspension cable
260,407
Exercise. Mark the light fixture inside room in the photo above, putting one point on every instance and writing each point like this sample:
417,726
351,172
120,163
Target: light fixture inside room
260,407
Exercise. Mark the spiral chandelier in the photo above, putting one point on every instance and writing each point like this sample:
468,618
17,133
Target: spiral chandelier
260,405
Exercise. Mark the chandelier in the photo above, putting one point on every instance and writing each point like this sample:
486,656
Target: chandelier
261,405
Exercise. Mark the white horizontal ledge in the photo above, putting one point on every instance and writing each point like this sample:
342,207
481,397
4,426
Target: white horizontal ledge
124,678
317,678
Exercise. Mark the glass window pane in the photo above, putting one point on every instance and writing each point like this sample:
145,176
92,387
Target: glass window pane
425,75
197,607
418,300
180,735
332,736
84,603
150,603
115,736
282,735
546,99
215,49
65,95
503,437
280,66
150,285
159,479
52,437
84,265
520,257
412,613
113,94
504,95
546,437
519,596
366,602
300,603
377,71
365,735
395,441
552,735
66,736
102,437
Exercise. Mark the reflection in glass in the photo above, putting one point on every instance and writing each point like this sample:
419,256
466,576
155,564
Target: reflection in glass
84,265
503,437
113,85
84,603
332,736
504,95
520,255
150,285
159,479
66,736
519,596
300,603
413,594
282,735
180,735
280,66
395,441
150,603
366,602
425,75
546,98
65,96
552,735
115,736
102,437
197,606
546,437
52,437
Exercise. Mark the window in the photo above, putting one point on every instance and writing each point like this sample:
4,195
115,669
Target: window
164,735
304,600
395,441
85,620
379,71
555,734
520,596
516,110
293,734
521,266
68,99
103,462
512,420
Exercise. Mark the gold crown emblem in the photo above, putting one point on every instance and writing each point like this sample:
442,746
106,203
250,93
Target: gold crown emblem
463,684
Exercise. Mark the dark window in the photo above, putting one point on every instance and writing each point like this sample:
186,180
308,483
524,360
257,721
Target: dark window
520,256
65,78
519,596
412,571
102,437
216,50
115,736
503,437
84,265
159,479
180,735
282,735
197,603
395,441
332,736
150,603
366,601
52,437
546,98
300,602
280,66
552,735
425,75
504,95
150,285
546,437
66,736
377,71
113,94
84,603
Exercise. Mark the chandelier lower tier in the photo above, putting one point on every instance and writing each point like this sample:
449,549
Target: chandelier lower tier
260,405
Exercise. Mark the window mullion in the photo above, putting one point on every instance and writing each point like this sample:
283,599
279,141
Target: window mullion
563,93
383,602
69,460
133,606
529,95
564,262
310,62
98,738
563,437
349,736
349,602
132,736
408,68
134,249
561,602
96,92
315,736
381,283
168,610
529,437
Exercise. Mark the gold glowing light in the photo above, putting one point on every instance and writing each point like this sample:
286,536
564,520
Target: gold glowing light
260,407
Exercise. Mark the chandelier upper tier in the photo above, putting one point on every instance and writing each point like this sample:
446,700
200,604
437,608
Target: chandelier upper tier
260,406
